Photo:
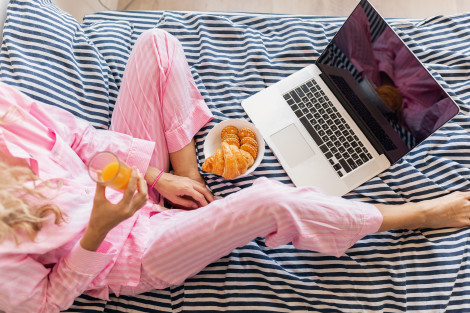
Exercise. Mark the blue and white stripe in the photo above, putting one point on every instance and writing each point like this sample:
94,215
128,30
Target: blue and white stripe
233,56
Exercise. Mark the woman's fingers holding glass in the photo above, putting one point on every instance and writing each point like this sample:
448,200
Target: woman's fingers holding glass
131,187
136,193
141,197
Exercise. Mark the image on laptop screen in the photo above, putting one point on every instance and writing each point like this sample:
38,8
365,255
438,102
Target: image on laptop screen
369,63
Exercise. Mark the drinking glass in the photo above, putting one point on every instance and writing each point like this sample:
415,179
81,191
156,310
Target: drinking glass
106,168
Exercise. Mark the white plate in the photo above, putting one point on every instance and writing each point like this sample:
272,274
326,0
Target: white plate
213,140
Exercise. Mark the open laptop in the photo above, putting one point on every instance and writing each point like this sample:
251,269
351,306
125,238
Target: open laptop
331,126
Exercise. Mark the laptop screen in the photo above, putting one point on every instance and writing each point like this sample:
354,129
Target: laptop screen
384,83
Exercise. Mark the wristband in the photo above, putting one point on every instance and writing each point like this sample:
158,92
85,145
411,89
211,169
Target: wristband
156,179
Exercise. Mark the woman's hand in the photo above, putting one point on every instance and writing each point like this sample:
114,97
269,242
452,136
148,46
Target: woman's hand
106,215
183,192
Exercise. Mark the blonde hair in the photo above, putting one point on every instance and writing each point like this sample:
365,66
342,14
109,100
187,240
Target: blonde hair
24,205
23,209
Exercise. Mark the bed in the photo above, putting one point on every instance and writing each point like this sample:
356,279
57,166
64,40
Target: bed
78,66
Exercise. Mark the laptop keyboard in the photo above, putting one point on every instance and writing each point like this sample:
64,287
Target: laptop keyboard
327,127
364,112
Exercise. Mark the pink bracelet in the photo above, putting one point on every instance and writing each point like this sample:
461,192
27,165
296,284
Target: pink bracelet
156,179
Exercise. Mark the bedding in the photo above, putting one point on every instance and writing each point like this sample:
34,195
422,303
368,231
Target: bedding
53,58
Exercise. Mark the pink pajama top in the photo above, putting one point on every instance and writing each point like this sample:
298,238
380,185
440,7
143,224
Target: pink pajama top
56,145
54,268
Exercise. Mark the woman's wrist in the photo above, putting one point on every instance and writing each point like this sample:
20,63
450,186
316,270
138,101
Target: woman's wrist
153,176
92,238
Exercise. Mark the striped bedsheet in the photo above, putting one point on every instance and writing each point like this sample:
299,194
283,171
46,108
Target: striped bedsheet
235,55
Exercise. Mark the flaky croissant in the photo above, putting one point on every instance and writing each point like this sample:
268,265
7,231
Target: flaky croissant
228,161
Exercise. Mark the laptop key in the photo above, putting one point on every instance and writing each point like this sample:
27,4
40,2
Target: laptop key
352,164
324,148
294,107
311,131
363,157
295,96
345,165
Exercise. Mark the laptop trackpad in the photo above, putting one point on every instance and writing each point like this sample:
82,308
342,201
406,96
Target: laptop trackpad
292,145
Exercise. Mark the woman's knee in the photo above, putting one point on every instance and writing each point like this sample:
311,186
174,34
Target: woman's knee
159,44
158,37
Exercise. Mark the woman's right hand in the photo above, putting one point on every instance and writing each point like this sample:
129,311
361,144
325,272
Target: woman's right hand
106,215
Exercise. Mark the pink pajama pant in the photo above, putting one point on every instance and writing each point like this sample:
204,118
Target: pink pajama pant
158,101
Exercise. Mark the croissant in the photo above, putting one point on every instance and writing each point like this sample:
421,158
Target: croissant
219,163
231,167
248,157
228,161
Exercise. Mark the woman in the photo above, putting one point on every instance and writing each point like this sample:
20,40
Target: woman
59,240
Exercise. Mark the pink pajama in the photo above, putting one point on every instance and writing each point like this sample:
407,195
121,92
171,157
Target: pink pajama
158,101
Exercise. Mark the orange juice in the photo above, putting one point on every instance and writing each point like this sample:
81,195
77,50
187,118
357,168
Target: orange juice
120,180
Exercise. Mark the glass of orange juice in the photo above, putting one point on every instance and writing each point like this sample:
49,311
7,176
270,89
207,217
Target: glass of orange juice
106,168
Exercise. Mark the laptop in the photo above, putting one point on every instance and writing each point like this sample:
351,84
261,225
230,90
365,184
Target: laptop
365,103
